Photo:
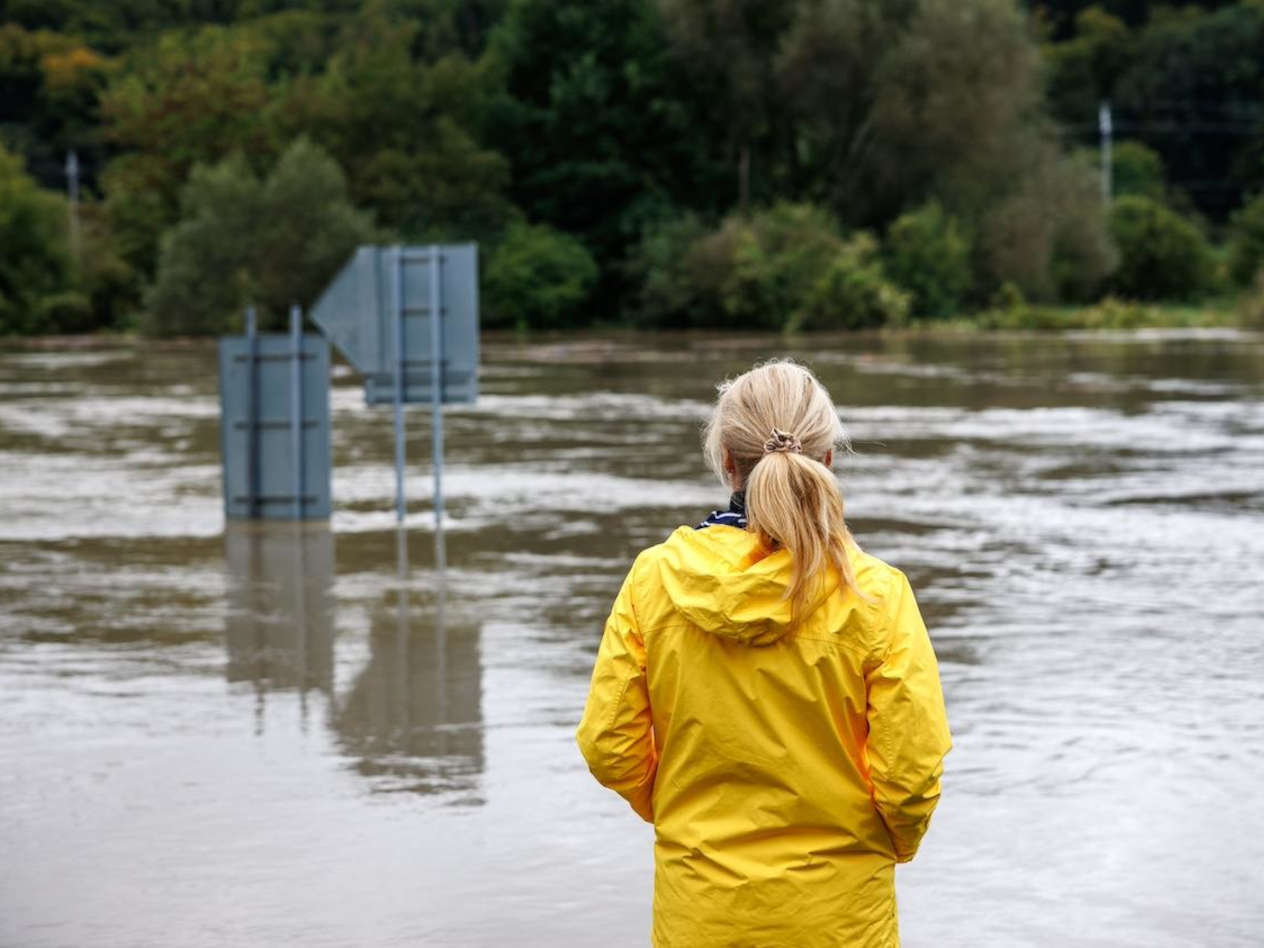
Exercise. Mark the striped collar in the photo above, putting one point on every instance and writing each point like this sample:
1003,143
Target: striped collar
735,516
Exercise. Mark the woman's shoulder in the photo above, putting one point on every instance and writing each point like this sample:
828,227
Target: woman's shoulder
875,577
722,548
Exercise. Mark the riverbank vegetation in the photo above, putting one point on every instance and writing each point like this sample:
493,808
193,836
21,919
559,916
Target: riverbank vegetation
798,164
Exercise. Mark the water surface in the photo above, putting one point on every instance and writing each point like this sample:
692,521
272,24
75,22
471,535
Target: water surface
257,736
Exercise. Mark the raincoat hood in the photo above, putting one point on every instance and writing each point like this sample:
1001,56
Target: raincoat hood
725,581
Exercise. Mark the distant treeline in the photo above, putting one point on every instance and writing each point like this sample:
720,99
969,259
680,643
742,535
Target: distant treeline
741,163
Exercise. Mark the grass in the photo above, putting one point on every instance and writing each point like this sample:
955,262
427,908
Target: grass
1109,313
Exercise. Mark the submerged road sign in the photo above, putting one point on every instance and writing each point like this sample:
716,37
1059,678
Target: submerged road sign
274,424
377,313
407,319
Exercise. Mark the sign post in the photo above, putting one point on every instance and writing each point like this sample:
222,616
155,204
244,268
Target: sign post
372,313
436,403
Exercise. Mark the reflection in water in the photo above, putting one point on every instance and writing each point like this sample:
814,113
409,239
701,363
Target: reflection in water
413,716
279,627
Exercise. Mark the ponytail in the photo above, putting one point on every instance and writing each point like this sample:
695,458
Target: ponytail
770,434
793,502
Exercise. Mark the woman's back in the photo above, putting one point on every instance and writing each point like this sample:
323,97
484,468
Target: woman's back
766,830
766,694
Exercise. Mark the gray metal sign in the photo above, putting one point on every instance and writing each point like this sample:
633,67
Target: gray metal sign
358,313
274,425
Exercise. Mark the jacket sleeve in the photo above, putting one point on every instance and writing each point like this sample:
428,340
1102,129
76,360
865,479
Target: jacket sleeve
616,733
908,726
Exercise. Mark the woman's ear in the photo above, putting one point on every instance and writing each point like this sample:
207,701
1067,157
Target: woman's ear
730,466
829,458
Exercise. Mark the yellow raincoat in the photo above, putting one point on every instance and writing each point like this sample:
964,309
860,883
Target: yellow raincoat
785,771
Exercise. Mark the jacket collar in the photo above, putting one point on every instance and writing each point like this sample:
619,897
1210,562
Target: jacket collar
735,516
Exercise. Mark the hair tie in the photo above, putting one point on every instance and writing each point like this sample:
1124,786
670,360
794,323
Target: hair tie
782,442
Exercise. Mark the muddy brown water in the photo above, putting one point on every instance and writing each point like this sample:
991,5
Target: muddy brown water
264,736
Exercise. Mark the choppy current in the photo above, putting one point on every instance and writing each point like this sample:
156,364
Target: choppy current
252,736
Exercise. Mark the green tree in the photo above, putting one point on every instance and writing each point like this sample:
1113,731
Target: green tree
50,86
1085,66
183,101
537,277
35,264
854,292
1193,89
1046,233
405,131
781,268
273,242
605,134
1162,255
1246,241
731,48
1137,169
929,254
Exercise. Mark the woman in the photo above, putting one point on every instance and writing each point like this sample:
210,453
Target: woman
766,695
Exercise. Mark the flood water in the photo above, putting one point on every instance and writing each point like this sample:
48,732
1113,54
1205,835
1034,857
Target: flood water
266,736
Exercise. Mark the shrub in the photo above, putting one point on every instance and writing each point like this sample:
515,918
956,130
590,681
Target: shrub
1049,235
777,258
1112,313
854,292
660,269
537,277
64,312
1162,255
785,267
928,254
1136,169
1246,253
1251,311
34,257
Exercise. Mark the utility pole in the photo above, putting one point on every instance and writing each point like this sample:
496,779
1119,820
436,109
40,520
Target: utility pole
1105,127
72,194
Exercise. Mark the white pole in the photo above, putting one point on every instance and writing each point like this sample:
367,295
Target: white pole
397,309
72,195
436,400
1104,125
296,405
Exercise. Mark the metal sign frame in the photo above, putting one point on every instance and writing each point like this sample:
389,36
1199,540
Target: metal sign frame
266,477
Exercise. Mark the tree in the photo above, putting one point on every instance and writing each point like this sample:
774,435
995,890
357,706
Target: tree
928,253
239,239
1137,169
896,104
1047,232
605,134
1185,81
1162,255
537,277
186,100
783,268
35,265
1246,241
49,100
731,46
404,130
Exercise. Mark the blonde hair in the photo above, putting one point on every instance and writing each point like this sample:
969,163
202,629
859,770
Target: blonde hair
775,424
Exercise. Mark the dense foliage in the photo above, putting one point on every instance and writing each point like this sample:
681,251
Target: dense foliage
1162,255
929,253
35,266
241,239
776,164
